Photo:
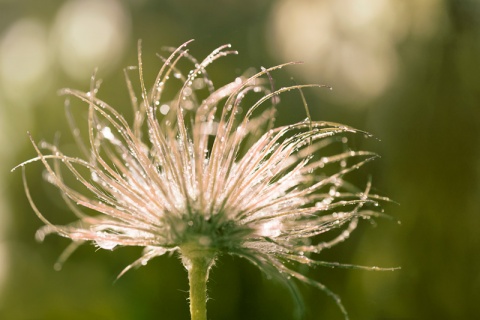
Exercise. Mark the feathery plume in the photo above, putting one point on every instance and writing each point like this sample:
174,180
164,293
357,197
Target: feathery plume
208,176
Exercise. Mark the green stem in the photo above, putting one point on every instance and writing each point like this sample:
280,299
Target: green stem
197,276
198,268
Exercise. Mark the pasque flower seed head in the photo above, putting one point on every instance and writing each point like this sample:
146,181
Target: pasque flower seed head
204,174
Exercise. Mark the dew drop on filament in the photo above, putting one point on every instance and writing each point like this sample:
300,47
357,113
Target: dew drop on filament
106,244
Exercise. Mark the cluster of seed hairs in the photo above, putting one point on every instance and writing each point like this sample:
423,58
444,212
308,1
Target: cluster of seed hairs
204,174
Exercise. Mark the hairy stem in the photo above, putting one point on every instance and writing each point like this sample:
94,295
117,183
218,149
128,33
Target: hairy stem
198,265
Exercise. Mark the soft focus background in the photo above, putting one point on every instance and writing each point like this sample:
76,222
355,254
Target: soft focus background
407,71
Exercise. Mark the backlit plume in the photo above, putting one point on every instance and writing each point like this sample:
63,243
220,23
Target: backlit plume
203,170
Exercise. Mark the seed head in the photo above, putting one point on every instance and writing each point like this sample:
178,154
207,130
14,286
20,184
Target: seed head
204,174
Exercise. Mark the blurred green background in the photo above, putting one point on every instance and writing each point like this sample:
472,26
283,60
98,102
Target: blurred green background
406,71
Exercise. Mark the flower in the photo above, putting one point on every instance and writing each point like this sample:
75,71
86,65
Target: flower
200,177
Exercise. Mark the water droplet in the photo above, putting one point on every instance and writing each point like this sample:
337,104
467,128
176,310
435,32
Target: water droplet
332,191
164,108
204,241
106,244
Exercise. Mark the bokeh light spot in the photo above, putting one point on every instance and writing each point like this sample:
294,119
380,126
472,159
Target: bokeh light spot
351,45
24,60
90,34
